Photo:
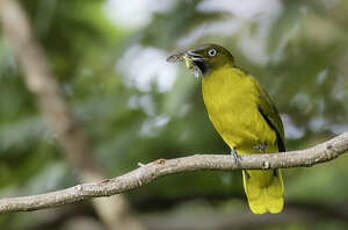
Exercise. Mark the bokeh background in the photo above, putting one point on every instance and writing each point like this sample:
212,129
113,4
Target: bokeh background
109,59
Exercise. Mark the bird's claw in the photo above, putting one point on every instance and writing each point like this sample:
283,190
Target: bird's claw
261,148
236,157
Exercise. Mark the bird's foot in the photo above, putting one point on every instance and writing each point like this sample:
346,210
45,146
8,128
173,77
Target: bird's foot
260,147
236,157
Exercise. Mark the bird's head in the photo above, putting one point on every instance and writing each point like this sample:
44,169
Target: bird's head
209,57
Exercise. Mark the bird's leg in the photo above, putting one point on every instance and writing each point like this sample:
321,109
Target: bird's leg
261,148
236,157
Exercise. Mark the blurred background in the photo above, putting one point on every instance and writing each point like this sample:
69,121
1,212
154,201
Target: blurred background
109,59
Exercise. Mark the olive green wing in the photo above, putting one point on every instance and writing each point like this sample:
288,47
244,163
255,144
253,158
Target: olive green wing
270,113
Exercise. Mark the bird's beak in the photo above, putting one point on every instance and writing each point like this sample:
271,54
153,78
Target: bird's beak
194,55
198,60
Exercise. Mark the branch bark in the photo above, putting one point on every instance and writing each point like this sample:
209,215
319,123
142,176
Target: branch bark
41,82
149,172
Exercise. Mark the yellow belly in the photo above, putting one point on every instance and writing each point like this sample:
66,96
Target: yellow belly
232,100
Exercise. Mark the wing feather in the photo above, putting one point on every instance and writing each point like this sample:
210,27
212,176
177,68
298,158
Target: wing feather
270,113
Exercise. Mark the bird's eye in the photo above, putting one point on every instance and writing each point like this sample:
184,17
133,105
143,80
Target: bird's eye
212,52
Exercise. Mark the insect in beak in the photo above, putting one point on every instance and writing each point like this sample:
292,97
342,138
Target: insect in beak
193,61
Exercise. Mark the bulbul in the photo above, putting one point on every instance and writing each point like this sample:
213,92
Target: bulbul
245,117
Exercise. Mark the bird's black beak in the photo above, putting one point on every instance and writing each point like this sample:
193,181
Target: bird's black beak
194,55
199,60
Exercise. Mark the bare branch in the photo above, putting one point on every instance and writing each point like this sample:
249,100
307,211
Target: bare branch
149,172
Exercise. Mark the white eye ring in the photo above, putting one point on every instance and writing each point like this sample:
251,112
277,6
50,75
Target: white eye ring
212,52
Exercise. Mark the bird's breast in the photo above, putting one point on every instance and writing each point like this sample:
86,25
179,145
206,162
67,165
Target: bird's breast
232,101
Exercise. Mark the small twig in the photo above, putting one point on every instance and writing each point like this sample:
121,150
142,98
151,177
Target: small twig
149,172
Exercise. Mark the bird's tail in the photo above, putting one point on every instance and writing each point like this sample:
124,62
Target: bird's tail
264,190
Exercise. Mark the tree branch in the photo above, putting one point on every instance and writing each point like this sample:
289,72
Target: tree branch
149,172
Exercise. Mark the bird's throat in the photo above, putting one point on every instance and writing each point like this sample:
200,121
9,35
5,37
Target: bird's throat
202,66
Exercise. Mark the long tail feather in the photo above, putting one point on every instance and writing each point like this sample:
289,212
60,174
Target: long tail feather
264,190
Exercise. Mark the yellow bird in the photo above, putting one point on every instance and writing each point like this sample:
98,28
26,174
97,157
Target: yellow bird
244,116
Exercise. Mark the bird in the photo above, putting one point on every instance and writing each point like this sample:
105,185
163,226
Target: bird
245,117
